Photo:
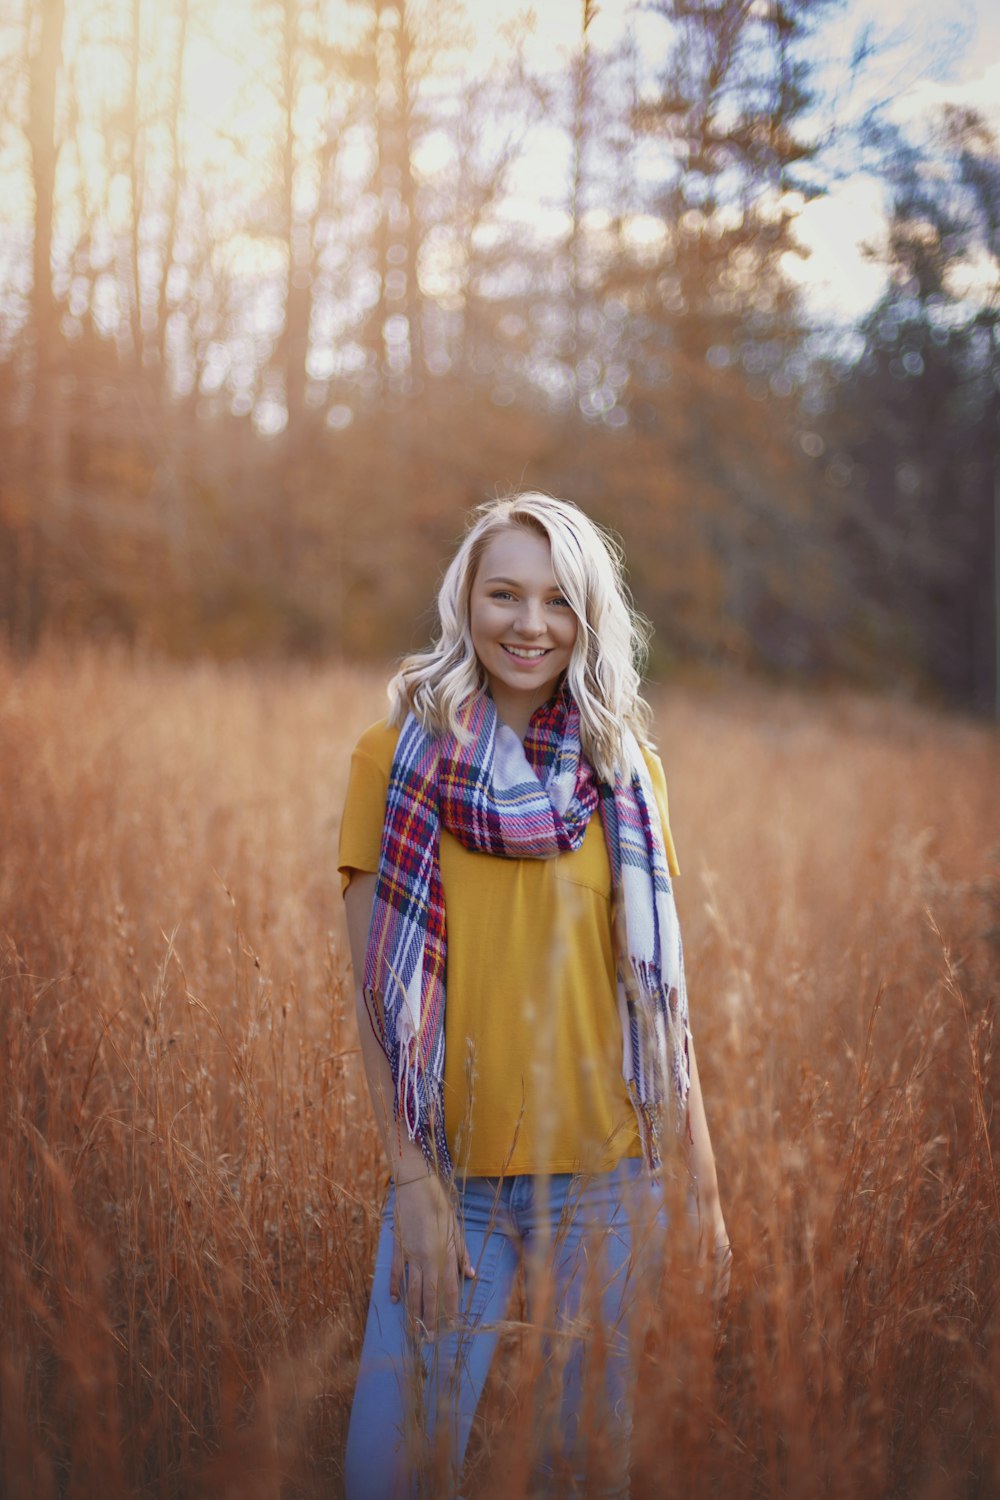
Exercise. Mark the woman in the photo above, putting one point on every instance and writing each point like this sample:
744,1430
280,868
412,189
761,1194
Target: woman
506,849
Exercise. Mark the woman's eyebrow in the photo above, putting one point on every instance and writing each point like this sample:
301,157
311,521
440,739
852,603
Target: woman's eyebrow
553,586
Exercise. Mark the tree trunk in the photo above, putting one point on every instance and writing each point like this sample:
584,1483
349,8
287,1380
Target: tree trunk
295,335
46,442
173,201
135,190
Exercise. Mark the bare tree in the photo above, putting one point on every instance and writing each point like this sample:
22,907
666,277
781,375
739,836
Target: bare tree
581,76
43,36
168,251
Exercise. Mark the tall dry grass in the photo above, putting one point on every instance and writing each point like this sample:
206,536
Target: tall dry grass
189,1177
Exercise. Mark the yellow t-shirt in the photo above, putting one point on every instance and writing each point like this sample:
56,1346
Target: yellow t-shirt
533,1043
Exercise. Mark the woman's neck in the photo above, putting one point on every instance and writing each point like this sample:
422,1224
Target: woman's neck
515,709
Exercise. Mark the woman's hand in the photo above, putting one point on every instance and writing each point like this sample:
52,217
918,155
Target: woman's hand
714,1254
431,1246
722,1265
713,1248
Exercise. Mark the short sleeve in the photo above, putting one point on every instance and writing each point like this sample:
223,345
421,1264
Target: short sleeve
364,805
659,780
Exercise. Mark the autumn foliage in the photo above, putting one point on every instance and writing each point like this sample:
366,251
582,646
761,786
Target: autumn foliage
285,297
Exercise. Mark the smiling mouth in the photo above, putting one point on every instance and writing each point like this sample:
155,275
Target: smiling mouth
526,653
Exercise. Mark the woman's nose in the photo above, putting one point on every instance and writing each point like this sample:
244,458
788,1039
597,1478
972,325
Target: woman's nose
530,618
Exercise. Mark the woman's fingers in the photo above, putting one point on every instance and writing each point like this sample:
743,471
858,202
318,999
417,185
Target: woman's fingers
414,1290
427,1312
722,1270
448,1291
465,1266
430,1256
396,1270
432,1294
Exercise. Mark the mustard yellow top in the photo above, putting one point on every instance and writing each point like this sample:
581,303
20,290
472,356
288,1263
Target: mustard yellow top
533,1042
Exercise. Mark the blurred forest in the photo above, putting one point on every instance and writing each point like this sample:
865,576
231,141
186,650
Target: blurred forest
269,329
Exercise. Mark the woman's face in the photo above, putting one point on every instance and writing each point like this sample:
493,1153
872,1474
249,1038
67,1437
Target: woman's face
523,628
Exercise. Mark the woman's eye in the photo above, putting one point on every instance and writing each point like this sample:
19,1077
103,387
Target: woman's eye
503,594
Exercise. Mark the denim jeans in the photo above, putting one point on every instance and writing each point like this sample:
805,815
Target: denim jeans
589,1244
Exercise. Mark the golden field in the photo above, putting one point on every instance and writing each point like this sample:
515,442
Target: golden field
189,1176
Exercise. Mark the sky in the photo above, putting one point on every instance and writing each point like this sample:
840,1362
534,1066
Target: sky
930,54
932,59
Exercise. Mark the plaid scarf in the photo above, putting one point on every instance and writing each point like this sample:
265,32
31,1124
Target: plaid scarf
514,800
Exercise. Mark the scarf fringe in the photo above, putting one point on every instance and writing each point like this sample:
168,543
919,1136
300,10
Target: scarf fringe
418,1105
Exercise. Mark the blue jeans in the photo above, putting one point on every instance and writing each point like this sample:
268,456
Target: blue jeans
589,1244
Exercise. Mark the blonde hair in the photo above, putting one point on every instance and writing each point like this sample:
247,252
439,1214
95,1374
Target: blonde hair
611,641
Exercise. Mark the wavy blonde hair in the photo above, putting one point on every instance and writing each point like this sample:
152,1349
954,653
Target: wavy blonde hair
611,641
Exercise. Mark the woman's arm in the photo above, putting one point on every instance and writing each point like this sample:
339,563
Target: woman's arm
428,1238
406,1160
701,1162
